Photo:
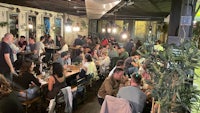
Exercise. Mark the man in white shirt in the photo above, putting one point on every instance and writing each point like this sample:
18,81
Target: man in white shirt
40,46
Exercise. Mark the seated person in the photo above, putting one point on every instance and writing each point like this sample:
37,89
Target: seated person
158,47
64,46
133,94
26,81
119,64
64,59
104,62
111,85
9,103
131,64
90,67
56,81
123,54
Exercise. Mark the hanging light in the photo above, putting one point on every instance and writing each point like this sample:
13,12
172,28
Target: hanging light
76,28
114,29
109,30
30,26
103,30
68,28
68,25
124,36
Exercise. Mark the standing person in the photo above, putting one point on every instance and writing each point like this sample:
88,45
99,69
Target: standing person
133,93
22,42
40,46
111,85
6,56
9,103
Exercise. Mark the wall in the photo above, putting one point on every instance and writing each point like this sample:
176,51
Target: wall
76,21
6,9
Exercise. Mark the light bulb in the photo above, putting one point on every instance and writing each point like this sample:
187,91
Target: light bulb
124,36
109,30
103,30
30,26
114,30
68,28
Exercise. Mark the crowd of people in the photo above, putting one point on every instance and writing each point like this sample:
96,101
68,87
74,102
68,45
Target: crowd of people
121,66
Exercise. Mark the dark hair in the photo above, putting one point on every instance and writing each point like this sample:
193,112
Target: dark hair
41,38
22,37
63,54
58,69
88,58
120,63
32,38
26,65
136,77
117,70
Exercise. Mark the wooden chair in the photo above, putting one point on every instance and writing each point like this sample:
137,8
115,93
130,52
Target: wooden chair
28,102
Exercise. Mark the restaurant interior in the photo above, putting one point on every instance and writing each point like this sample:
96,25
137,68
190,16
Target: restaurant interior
99,56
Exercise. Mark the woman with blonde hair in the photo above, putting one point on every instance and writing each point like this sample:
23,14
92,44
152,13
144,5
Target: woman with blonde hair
9,102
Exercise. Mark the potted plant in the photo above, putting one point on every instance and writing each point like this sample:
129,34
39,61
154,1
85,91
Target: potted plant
172,73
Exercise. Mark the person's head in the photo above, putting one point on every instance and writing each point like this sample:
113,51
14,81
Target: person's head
59,38
136,79
31,40
8,38
118,73
104,53
57,69
49,37
27,66
158,42
22,38
121,50
120,64
65,55
97,46
42,38
5,88
88,57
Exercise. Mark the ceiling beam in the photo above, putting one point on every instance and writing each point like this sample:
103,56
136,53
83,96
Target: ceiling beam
155,5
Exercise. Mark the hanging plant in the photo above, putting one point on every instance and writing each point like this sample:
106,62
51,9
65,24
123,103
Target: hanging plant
3,24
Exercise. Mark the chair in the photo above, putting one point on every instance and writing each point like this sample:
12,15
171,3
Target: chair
64,100
29,102
116,105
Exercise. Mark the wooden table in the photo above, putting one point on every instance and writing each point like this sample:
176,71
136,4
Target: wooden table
71,72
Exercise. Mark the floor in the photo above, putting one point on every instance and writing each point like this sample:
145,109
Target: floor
91,104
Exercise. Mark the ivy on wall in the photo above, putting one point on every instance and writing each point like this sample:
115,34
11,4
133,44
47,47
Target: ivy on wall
3,24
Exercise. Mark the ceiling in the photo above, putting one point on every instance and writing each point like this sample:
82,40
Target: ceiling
120,9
